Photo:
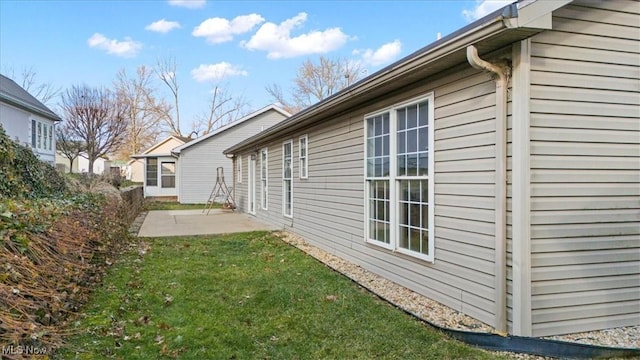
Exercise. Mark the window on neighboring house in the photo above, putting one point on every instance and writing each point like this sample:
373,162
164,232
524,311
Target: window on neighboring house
51,129
239,168
399,177
303,156
39,135
264,194
287,178
152,171
34,133
168,174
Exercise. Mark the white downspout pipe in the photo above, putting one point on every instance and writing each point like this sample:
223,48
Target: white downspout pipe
500,183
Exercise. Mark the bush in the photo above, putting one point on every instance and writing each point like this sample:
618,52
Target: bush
24,175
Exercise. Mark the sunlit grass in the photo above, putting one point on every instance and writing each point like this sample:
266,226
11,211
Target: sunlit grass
244,296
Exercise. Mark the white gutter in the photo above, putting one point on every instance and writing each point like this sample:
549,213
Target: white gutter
502,74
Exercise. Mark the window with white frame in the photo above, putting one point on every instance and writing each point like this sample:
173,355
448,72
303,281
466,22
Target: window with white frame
399,178
33,134
264,185
287,178
302,156
41,135
239,169
168,174
152,171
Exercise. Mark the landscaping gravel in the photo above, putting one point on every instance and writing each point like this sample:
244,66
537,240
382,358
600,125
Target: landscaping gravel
438,314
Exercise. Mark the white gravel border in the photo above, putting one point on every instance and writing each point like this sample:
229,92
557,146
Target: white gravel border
444,316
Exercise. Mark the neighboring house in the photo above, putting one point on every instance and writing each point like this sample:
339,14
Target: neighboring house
156,168
81,164
27,120
199,159
517,205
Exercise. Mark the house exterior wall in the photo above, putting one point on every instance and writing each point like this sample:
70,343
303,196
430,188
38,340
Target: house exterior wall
329,206
17,124
198,163
136,170
585,169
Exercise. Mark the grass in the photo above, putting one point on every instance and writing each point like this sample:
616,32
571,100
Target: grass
172,205
244,296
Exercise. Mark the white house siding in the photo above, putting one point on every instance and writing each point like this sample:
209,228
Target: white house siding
328,207
198,162
17,125
585,169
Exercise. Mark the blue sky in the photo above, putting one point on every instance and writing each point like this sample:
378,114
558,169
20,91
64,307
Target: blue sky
245,45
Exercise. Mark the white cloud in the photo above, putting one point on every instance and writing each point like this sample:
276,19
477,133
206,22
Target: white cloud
127,48
484,7
277,40
163,26
384,54
214,72
190,4
218,30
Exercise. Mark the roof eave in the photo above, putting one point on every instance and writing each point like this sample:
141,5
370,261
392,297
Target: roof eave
496,30
25,106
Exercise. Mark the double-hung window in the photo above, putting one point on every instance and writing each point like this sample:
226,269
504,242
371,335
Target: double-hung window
399,178
287,178
264,185
302,156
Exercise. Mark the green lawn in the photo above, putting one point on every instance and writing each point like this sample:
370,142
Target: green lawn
244,296
172,205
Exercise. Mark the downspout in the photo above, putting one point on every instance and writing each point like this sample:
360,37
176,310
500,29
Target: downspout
502,74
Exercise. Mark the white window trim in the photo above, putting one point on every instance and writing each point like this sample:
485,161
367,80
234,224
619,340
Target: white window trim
290,179
264,186
239,169
393,178
306,157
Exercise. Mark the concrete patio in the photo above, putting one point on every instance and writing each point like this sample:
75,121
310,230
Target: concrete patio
194,222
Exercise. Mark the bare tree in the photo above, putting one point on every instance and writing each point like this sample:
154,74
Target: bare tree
145,113
317,81
96,118
166,71
223,109
68,144
43,91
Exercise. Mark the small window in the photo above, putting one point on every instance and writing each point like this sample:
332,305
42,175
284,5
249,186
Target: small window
39,135
239,169
264,185
51,137
152,172
287,180
168,174
304,167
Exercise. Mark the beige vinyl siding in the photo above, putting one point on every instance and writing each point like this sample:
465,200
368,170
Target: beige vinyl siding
585,169
198,163
329,205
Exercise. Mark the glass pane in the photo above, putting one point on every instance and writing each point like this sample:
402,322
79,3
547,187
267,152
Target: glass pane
385,145
414,191
370,167
402,165
385,124
423,139
404,213
385,166
404,237
425,191
370,147
412,164
378,146
402,142
402,121
412,141
369,127
378,125
168,168
423,113
414,215
423,164
424,244
414,239
425,216
412,116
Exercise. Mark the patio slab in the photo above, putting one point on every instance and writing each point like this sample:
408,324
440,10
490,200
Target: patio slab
194,222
